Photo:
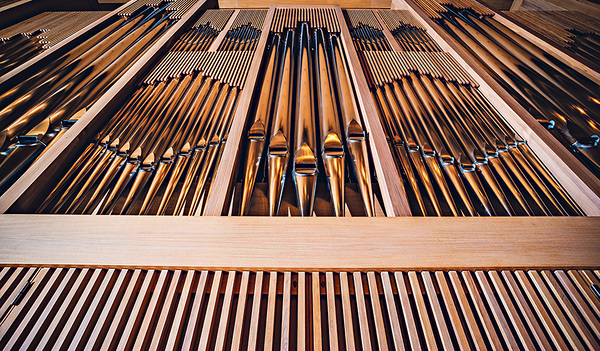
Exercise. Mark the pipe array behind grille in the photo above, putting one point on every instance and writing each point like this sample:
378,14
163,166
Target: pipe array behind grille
573,30
244,32
158,153
408,31
560,98
60,308
366,31
215,18
37,111
317,17
324,126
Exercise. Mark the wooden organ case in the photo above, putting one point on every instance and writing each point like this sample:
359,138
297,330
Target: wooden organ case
419,174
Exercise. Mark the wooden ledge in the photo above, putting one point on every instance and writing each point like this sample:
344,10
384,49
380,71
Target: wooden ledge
300,243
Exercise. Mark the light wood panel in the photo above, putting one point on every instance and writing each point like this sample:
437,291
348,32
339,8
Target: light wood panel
220,189
392,189
577,180
303,243
46,168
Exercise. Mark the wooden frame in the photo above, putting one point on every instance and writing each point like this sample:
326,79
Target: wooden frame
577,180
294,243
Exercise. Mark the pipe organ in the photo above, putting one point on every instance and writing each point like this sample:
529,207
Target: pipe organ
185,174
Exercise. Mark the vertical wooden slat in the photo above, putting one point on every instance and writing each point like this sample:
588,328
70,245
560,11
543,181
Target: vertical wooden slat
166,309
238,327
223,177
78,309
457,326
190,332
377,315
510,309
35,301
438,315
331,312
94,313
390,183
225,312
153,308
209,317
347,312
126,340
9,296
271,300
186,292
54,301
285,311
254,318
470,320
409,319
316,312
496,310
110,305
485,319
569,309
559,317
578,301
538,306
391,310
301,311
586,290
363,321
422,310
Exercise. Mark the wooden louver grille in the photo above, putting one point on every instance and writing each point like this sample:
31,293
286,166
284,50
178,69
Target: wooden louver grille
60,308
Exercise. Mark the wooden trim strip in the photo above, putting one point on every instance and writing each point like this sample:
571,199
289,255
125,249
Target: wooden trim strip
220,189
40,172
578,181
395,202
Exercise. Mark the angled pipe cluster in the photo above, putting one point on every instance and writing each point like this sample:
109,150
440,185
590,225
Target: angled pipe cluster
306,122
408,32
157,154
560,98
36,111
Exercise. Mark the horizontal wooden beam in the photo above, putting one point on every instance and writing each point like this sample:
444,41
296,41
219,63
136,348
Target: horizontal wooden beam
300,243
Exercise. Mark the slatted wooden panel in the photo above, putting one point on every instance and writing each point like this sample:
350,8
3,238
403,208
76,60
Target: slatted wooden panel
72,308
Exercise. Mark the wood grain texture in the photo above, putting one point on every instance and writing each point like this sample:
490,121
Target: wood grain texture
308,243
45,168
576,179
393,193
225,172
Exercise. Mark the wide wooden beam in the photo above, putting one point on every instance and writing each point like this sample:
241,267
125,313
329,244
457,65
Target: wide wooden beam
392,190
300,243
577,180
33,184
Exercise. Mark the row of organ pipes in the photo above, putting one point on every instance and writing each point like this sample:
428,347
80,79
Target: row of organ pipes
159,151
306,123
305,149
560,98
38,110
455,152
